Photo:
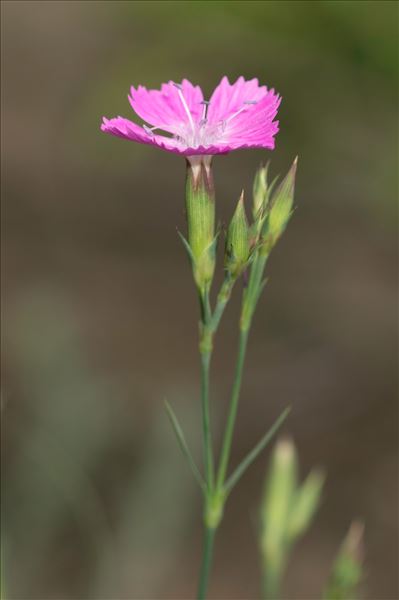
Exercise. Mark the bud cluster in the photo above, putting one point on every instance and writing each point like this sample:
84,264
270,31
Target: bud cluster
271,210
272,207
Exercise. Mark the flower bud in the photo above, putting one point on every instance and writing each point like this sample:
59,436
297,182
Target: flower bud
280,210
347,570
259,192
305,503
280,489
237,241
200,208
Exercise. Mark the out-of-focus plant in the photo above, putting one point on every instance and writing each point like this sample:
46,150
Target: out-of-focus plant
287,511
347,569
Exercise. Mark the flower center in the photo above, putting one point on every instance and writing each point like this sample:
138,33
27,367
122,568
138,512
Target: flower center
192,134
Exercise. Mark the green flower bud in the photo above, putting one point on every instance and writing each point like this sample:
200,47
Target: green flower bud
280,210
237,241
259,192
200,208
305,503
280,490
347,569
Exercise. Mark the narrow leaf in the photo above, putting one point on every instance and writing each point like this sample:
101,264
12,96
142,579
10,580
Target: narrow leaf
186,245
183,444
259,291
249,459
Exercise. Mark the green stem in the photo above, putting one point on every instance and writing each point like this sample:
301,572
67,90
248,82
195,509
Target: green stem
208,328
252,292
222,300
228,434
210,324
206,427
250,298
272,582
209,537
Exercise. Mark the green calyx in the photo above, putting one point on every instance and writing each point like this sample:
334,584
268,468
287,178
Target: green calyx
237,251
278,212
200,209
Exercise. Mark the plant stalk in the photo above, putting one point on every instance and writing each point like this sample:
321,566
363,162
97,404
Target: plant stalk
206,427
209,537
205,348
228,434
272,582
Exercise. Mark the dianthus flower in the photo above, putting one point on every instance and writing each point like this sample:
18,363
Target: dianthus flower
178,119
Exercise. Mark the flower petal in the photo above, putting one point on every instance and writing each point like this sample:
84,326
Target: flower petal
255,126
229,98
123,128
164,108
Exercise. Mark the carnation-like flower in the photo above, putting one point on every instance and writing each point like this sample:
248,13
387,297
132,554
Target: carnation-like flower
179,120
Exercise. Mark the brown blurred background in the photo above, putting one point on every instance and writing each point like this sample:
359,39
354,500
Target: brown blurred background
100,314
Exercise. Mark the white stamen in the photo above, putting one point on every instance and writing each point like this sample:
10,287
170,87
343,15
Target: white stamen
241,109
183,101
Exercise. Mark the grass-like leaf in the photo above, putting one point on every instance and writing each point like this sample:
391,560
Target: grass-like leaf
183,445
251,456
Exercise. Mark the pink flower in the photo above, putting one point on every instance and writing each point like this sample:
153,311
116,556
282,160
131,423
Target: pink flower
179,120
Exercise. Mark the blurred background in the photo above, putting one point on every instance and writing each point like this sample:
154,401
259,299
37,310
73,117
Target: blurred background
100,315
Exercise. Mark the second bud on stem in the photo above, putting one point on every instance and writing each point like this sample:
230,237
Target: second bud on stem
237,242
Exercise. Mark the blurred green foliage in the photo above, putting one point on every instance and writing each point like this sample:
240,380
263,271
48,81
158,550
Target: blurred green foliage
347,570
287,510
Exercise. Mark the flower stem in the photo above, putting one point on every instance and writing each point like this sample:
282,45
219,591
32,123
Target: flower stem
228,434
209,537
222,300
250,299
206,427
209,325
214,495
272,582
